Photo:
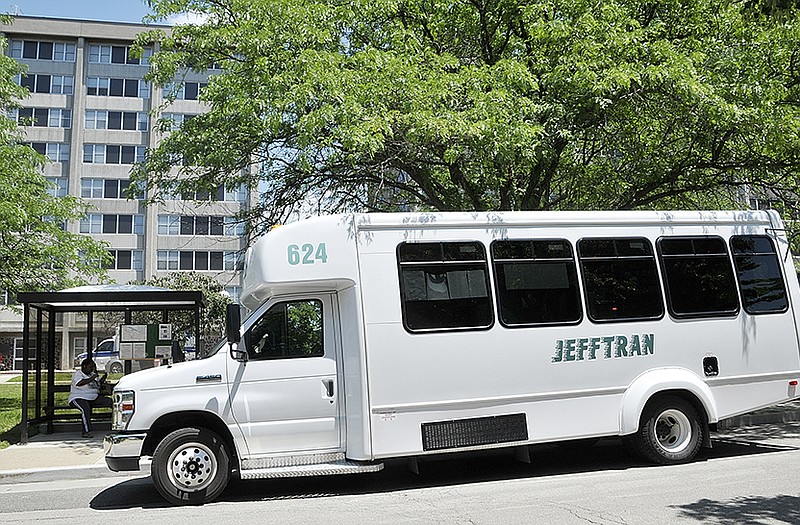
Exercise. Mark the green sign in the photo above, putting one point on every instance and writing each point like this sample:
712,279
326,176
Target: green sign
605,347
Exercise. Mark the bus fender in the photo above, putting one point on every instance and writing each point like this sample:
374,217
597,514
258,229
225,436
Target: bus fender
650,383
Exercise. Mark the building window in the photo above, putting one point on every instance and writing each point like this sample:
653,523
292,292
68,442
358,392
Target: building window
117,87
34,50
236,194
758,270
92,188
96,223
234,227
42,117
169,224
121,120
47,84
167,259
697,276
59,186
444,285
108,54
54,151
537,282
184,90
234,292
620,279
127,260
112,154
173,121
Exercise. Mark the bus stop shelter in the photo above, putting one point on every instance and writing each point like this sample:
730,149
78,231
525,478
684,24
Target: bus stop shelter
40,311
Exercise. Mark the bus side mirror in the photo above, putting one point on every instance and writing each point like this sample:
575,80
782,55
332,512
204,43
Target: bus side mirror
233,321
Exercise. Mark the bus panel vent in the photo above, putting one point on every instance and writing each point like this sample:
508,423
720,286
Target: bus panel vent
474,432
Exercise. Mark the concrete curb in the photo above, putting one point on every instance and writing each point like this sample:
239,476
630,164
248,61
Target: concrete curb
43,474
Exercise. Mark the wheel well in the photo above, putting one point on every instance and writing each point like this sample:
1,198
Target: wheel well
171,422
690,398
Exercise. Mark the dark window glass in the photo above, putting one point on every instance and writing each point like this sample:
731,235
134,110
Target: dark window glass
536,282
125,224
129,121
217,226
114,120
187,260
118,54
111,189
112,154
116,87
444,286
190,90
287,330
201,225
25,116
620,279
43,83
759,272
109,224
215,261
39,147
30,49
201,261
128,154
187,225
698,276
42,116
131,88
219,194
123,259
45,51
28,81
109,265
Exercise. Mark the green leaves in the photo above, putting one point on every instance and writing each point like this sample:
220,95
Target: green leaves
486,104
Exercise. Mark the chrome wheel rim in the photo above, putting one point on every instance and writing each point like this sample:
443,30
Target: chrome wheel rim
192,467
673,431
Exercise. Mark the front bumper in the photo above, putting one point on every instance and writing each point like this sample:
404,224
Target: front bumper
122,451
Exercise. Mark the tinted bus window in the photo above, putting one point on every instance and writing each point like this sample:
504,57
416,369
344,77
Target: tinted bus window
620,279
536,282
444,285
698,276
759,273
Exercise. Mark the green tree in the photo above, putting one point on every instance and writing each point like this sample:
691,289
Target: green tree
212,322
485,104
36,251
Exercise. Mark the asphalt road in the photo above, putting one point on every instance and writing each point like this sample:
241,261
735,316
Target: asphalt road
750,476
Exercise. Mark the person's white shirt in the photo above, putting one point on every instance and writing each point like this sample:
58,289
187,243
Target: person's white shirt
89,391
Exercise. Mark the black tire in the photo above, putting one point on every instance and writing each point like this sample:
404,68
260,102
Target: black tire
115,368
191,466
670,432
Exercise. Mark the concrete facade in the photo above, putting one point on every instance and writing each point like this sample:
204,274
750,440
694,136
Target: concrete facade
94,117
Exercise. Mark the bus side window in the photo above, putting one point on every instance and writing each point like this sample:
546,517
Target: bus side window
444,285
758,270
620,279
698,277
536,282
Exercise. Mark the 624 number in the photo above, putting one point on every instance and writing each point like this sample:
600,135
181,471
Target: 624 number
307,254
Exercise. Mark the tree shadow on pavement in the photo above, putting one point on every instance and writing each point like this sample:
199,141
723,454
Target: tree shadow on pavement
452,470
754,510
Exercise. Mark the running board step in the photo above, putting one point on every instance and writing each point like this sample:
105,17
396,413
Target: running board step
316,469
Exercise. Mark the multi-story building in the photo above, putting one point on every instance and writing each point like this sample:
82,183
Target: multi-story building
92,112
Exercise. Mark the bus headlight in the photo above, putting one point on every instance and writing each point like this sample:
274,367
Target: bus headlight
123,409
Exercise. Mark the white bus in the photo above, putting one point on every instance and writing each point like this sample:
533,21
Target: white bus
377,336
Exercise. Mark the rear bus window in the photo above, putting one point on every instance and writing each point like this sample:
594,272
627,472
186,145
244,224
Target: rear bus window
698,276
536,282
444,286
621,279
759,273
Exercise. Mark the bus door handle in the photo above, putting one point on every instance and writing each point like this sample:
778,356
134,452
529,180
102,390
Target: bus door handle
328,384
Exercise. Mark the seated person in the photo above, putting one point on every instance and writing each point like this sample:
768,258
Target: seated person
84,393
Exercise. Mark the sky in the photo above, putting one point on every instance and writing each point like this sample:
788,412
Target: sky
107,10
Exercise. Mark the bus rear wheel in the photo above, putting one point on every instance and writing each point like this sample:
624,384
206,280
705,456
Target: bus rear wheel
670,432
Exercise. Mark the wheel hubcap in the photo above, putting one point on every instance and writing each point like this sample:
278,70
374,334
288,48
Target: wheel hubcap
673,431
192,467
